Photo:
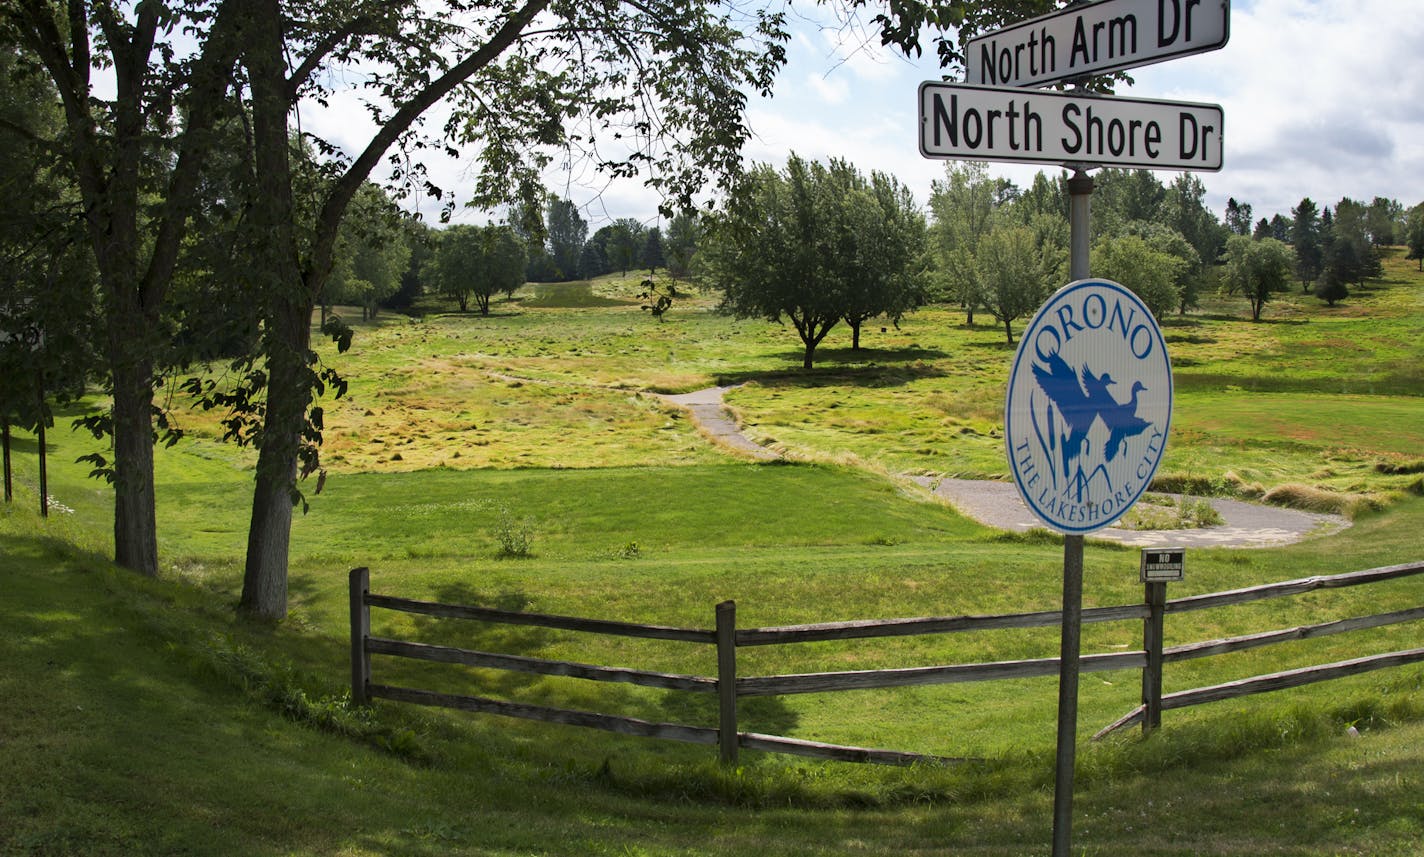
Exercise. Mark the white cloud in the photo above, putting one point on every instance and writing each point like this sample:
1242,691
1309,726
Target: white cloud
1323,98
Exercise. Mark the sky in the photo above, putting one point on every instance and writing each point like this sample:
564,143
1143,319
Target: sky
1322,98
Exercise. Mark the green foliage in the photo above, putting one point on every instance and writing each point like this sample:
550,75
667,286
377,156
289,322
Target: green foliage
1306,241
1151,274
372,254
48,325
1013,274
1414,234
477,262
659,297
816,244
514,535
962,209
1256,269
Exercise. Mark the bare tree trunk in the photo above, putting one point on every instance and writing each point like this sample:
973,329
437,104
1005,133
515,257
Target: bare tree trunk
135,520
288,333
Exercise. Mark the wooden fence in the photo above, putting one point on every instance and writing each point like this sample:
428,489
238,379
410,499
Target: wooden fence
726,638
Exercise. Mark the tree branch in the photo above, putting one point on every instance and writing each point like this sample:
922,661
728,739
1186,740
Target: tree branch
208,80
346,186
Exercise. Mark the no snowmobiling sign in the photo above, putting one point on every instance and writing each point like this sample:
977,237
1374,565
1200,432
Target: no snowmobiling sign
1089,406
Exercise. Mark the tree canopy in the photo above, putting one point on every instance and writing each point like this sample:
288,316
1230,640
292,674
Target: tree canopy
815,244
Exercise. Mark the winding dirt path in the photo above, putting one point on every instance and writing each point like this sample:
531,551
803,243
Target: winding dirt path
997,504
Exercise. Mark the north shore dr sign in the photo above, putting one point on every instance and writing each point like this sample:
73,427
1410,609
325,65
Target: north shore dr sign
1092,38
1032,126
1089,406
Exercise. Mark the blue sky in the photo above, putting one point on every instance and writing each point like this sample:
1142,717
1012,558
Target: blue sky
1322,98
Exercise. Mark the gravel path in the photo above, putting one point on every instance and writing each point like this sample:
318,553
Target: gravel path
1246,524
997,504
709,412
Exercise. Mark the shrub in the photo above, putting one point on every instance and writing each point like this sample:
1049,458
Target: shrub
515,535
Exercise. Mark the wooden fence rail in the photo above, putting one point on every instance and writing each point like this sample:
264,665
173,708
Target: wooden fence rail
729,687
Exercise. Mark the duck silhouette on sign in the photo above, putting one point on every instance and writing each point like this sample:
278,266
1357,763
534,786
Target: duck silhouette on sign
1083,398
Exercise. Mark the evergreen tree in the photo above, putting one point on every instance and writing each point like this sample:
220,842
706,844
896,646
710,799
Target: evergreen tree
567,234
652,256
1305,239
1238,217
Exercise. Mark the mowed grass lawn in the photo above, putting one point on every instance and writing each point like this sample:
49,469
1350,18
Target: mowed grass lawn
142,717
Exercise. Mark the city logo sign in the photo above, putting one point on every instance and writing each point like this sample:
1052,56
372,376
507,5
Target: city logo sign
1089,406
999,124
1092,38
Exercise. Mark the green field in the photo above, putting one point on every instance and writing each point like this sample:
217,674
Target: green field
142,717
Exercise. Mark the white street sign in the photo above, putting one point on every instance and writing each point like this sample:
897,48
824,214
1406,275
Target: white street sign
1094,38
1089,405
998,124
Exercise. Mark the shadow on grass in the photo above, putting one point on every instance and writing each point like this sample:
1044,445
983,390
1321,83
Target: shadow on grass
864,368
762,714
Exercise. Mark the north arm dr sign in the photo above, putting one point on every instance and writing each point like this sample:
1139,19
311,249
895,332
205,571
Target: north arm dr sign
1031,126
1092,38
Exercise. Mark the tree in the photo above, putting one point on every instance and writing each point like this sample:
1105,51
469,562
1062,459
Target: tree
625,244
477,262
1014,275
683,235
1188,270
1352,256
1383,220
1150,273
1262,229
136,157
1305,240
652,257
47,314
372,254
568,232
769,253
881,245
962,208
1256,269
1238,217
1331,288
1414,234
816,244
525,79
1124,196
1281,228
1184,209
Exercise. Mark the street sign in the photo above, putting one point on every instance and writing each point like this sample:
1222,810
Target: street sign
1089,406
1163,565
999,124
1094,38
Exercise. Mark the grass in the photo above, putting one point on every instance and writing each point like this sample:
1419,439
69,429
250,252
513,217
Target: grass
141,717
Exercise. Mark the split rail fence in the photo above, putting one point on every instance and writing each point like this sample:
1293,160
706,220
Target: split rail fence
729,687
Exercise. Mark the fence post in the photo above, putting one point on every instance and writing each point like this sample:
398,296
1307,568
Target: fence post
727,681
360,630
1155,595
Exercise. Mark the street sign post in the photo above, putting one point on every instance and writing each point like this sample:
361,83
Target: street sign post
1092,38
999,124
1073,424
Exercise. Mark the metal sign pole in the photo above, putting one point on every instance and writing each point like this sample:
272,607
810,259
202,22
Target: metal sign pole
1080,190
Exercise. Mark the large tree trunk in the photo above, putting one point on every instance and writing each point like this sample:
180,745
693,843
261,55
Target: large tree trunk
288,326
264,579
135,521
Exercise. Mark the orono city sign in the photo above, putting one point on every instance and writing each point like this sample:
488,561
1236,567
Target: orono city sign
996,124
1089,406
1093,38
